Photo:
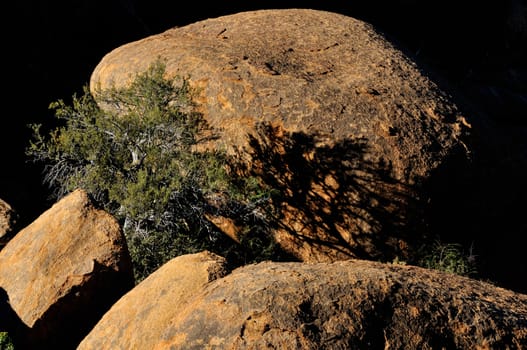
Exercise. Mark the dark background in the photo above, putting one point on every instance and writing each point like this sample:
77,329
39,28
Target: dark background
478,49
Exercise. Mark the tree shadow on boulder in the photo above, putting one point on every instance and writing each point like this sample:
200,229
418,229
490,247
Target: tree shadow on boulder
334,200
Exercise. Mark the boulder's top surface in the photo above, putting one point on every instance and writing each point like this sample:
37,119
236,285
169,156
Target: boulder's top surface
310,71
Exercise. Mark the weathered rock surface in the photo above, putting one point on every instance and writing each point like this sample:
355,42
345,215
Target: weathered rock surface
187,304
7,221
63,271
349,304
139,318
341,122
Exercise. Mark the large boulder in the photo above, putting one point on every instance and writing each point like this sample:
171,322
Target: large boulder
348,304
63,271
355,304
139,318
326,111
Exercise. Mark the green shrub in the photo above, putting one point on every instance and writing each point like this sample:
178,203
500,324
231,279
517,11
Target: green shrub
143,157
5,341
448,257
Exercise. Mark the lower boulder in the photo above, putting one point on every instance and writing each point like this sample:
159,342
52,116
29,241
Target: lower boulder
352,304
192,303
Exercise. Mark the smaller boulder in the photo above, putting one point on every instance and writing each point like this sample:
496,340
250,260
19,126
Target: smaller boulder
138,320
63,271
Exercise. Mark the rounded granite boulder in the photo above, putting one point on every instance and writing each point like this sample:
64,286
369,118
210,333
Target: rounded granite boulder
326,110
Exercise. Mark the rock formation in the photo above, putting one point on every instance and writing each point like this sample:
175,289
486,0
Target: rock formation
349,304
63,271
7,221
268,91
65,283
138,319
325,110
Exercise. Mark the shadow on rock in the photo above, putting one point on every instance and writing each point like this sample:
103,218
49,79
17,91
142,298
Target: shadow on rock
333,202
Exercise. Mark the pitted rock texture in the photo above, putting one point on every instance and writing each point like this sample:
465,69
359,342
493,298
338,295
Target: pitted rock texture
63,271
349,304
139,318
324,109
352,304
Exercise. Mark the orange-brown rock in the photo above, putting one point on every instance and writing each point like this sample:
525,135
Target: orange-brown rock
64,270
349,304
139,318
7,221
326,111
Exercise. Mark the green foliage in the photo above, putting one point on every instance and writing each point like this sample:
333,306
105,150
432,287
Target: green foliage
143,157
448,257
5,341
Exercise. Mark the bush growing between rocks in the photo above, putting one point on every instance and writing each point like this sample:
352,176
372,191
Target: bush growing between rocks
143,158
448,257
6,342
